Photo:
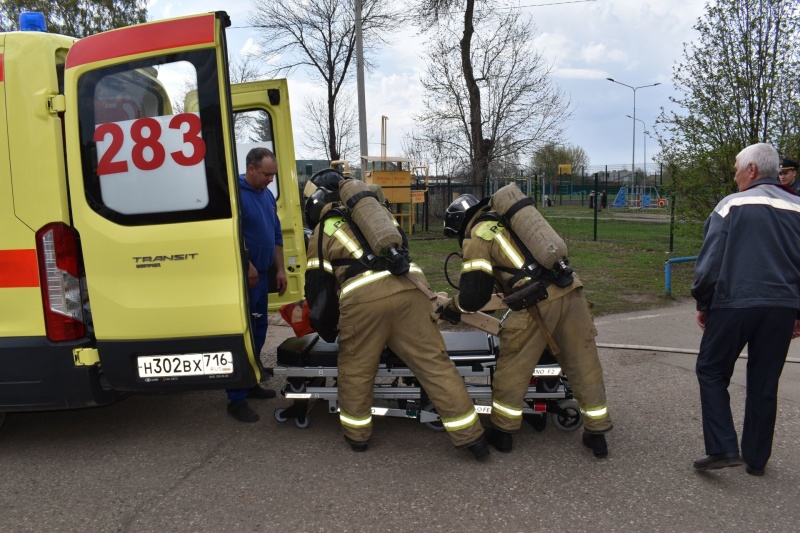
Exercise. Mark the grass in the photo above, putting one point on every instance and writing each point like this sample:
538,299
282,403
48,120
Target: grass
622,272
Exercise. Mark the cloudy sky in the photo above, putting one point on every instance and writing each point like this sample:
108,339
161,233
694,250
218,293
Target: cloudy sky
636,42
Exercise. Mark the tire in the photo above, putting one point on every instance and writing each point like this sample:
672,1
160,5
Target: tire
278,413
297,389
570,419
548,386
304,423
435,426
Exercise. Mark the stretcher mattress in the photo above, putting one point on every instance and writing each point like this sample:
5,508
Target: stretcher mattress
473,347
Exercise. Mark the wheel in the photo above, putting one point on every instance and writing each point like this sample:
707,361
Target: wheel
279,415
435,426
570,418
304,423
548,386
293,387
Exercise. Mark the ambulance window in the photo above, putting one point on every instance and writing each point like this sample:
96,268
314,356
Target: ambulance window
253,128
152,140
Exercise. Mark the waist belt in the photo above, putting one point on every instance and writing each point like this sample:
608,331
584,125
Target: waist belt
368,277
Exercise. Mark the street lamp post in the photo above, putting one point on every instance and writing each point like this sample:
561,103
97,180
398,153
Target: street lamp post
644,146
634,89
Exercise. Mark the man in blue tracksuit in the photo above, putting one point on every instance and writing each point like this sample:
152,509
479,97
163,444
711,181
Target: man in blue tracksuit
747,288
264,242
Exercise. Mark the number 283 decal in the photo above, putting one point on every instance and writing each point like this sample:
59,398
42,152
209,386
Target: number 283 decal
130,140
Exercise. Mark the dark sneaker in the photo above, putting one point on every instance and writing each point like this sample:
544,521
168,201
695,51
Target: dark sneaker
501,440
357,446
753,471
260,392
597,442
717,461
480,449
242,412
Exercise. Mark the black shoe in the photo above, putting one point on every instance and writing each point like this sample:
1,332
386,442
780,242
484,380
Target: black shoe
597,442
717,461
242,412
753,471
480,449
260,392
501,440
357,446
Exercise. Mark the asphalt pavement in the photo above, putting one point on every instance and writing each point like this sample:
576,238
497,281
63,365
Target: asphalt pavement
179,463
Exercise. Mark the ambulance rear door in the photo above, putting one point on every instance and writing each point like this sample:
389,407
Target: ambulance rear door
262,118
153,198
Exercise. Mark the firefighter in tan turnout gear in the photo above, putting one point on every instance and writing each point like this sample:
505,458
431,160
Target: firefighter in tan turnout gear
532,269
378,306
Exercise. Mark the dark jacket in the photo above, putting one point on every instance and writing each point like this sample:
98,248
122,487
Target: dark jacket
750,256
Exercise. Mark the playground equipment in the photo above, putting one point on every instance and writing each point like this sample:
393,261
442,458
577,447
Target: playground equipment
640,197
396,176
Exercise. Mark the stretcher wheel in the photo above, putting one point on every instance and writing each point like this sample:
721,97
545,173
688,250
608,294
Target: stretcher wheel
297,388
304,423
435,426
279,415
548,386
570,418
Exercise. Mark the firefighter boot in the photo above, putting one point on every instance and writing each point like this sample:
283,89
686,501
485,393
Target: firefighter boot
501,440
357,446
597,442
480,449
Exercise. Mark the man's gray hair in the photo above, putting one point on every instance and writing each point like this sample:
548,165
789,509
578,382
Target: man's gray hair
764,156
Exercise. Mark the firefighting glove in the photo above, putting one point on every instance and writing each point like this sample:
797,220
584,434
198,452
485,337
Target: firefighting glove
449,312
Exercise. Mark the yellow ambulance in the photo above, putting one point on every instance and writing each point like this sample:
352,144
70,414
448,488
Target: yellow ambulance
121,252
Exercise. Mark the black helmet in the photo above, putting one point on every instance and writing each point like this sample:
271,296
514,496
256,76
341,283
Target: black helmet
327,178
454,216
327,182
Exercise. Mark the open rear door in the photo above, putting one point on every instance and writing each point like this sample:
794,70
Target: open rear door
153,198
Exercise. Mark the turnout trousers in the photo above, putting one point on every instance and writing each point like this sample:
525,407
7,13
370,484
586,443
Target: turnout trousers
521,345
767,332
403,322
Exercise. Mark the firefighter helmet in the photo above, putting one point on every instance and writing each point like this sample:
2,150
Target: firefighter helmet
328,178
455,214
327,190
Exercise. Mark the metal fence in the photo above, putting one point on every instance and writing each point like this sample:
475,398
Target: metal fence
601,203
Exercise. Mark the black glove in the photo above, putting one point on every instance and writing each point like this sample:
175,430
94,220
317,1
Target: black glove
449,312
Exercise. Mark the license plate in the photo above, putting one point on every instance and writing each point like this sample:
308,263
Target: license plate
186,364
554,371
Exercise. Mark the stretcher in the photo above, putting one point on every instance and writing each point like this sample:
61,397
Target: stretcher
308,365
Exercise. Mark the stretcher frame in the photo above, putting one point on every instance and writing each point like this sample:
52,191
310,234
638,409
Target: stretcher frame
308,365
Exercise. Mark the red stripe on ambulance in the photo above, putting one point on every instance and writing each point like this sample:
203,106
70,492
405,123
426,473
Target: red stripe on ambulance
142,39
18,268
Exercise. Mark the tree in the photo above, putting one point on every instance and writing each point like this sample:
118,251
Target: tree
315,113
739,86
546,159
76,18
319,36
486,88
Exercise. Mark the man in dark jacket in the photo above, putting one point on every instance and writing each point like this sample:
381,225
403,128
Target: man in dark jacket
747,288
788,175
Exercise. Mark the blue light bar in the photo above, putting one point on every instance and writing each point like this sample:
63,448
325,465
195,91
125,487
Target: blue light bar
32,21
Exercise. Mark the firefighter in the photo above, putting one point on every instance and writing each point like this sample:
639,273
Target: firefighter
376,309
492,255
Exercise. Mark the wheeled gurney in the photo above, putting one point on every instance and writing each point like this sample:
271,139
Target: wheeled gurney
309,365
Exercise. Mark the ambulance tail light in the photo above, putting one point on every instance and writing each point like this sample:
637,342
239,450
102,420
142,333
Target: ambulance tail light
57,250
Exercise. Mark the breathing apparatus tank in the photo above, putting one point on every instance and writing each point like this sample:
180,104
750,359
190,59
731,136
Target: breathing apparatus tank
375,223
530,227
